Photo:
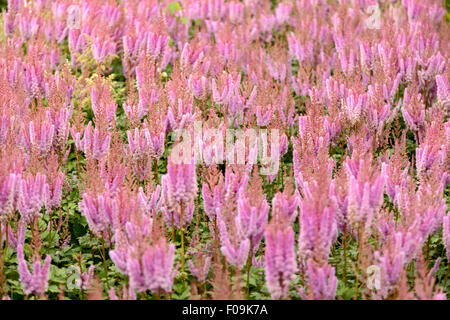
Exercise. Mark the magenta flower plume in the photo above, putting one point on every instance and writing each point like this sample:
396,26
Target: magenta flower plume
95,142
100,211
8,186
36,281
60,121
179,187
251,220
213,199
154,269
322,282
39,137
140,150
365,193
280,260
54,191
32,195
235,250
200,262
446,235
286,205
252,213
318,227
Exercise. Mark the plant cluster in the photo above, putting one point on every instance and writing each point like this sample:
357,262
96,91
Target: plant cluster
96,204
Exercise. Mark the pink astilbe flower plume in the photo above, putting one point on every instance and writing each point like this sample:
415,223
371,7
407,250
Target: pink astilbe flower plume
286,203
32,195
140,150
280,260
103,103
200,262
100,210
396,170
35,281
95,142
9,184
446,235
179,187
213,192
144,255
253,211
234,246
38,137
154,270
365,192
318,228
322,282
413,110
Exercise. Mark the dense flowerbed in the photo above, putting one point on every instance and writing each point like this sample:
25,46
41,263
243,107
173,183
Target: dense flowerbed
212,149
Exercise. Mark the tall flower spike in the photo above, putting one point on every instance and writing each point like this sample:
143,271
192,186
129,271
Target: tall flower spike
32,195
236,251
287,202
200,262
446,235
103,103
213,193
154,269
40,137
53,196
179,185
280,260
140,150
34,282
95,143
253,211
101,212
8,186
318,228
322,282
60,120
365,192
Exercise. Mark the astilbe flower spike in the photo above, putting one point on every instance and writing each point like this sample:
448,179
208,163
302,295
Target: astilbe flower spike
32,195
318,227
212,192
234,247
95,142
180,184
252,214
154,270
322,282
280,260
446,235
179,189
40,137
36,281
200,263
365,192
8,186
100,211
286,202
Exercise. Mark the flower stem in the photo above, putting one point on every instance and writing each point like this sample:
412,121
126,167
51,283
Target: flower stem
344,244
249,265
104,263
49,233
182,243
173,229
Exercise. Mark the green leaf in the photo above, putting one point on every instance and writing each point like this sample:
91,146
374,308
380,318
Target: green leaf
174,7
